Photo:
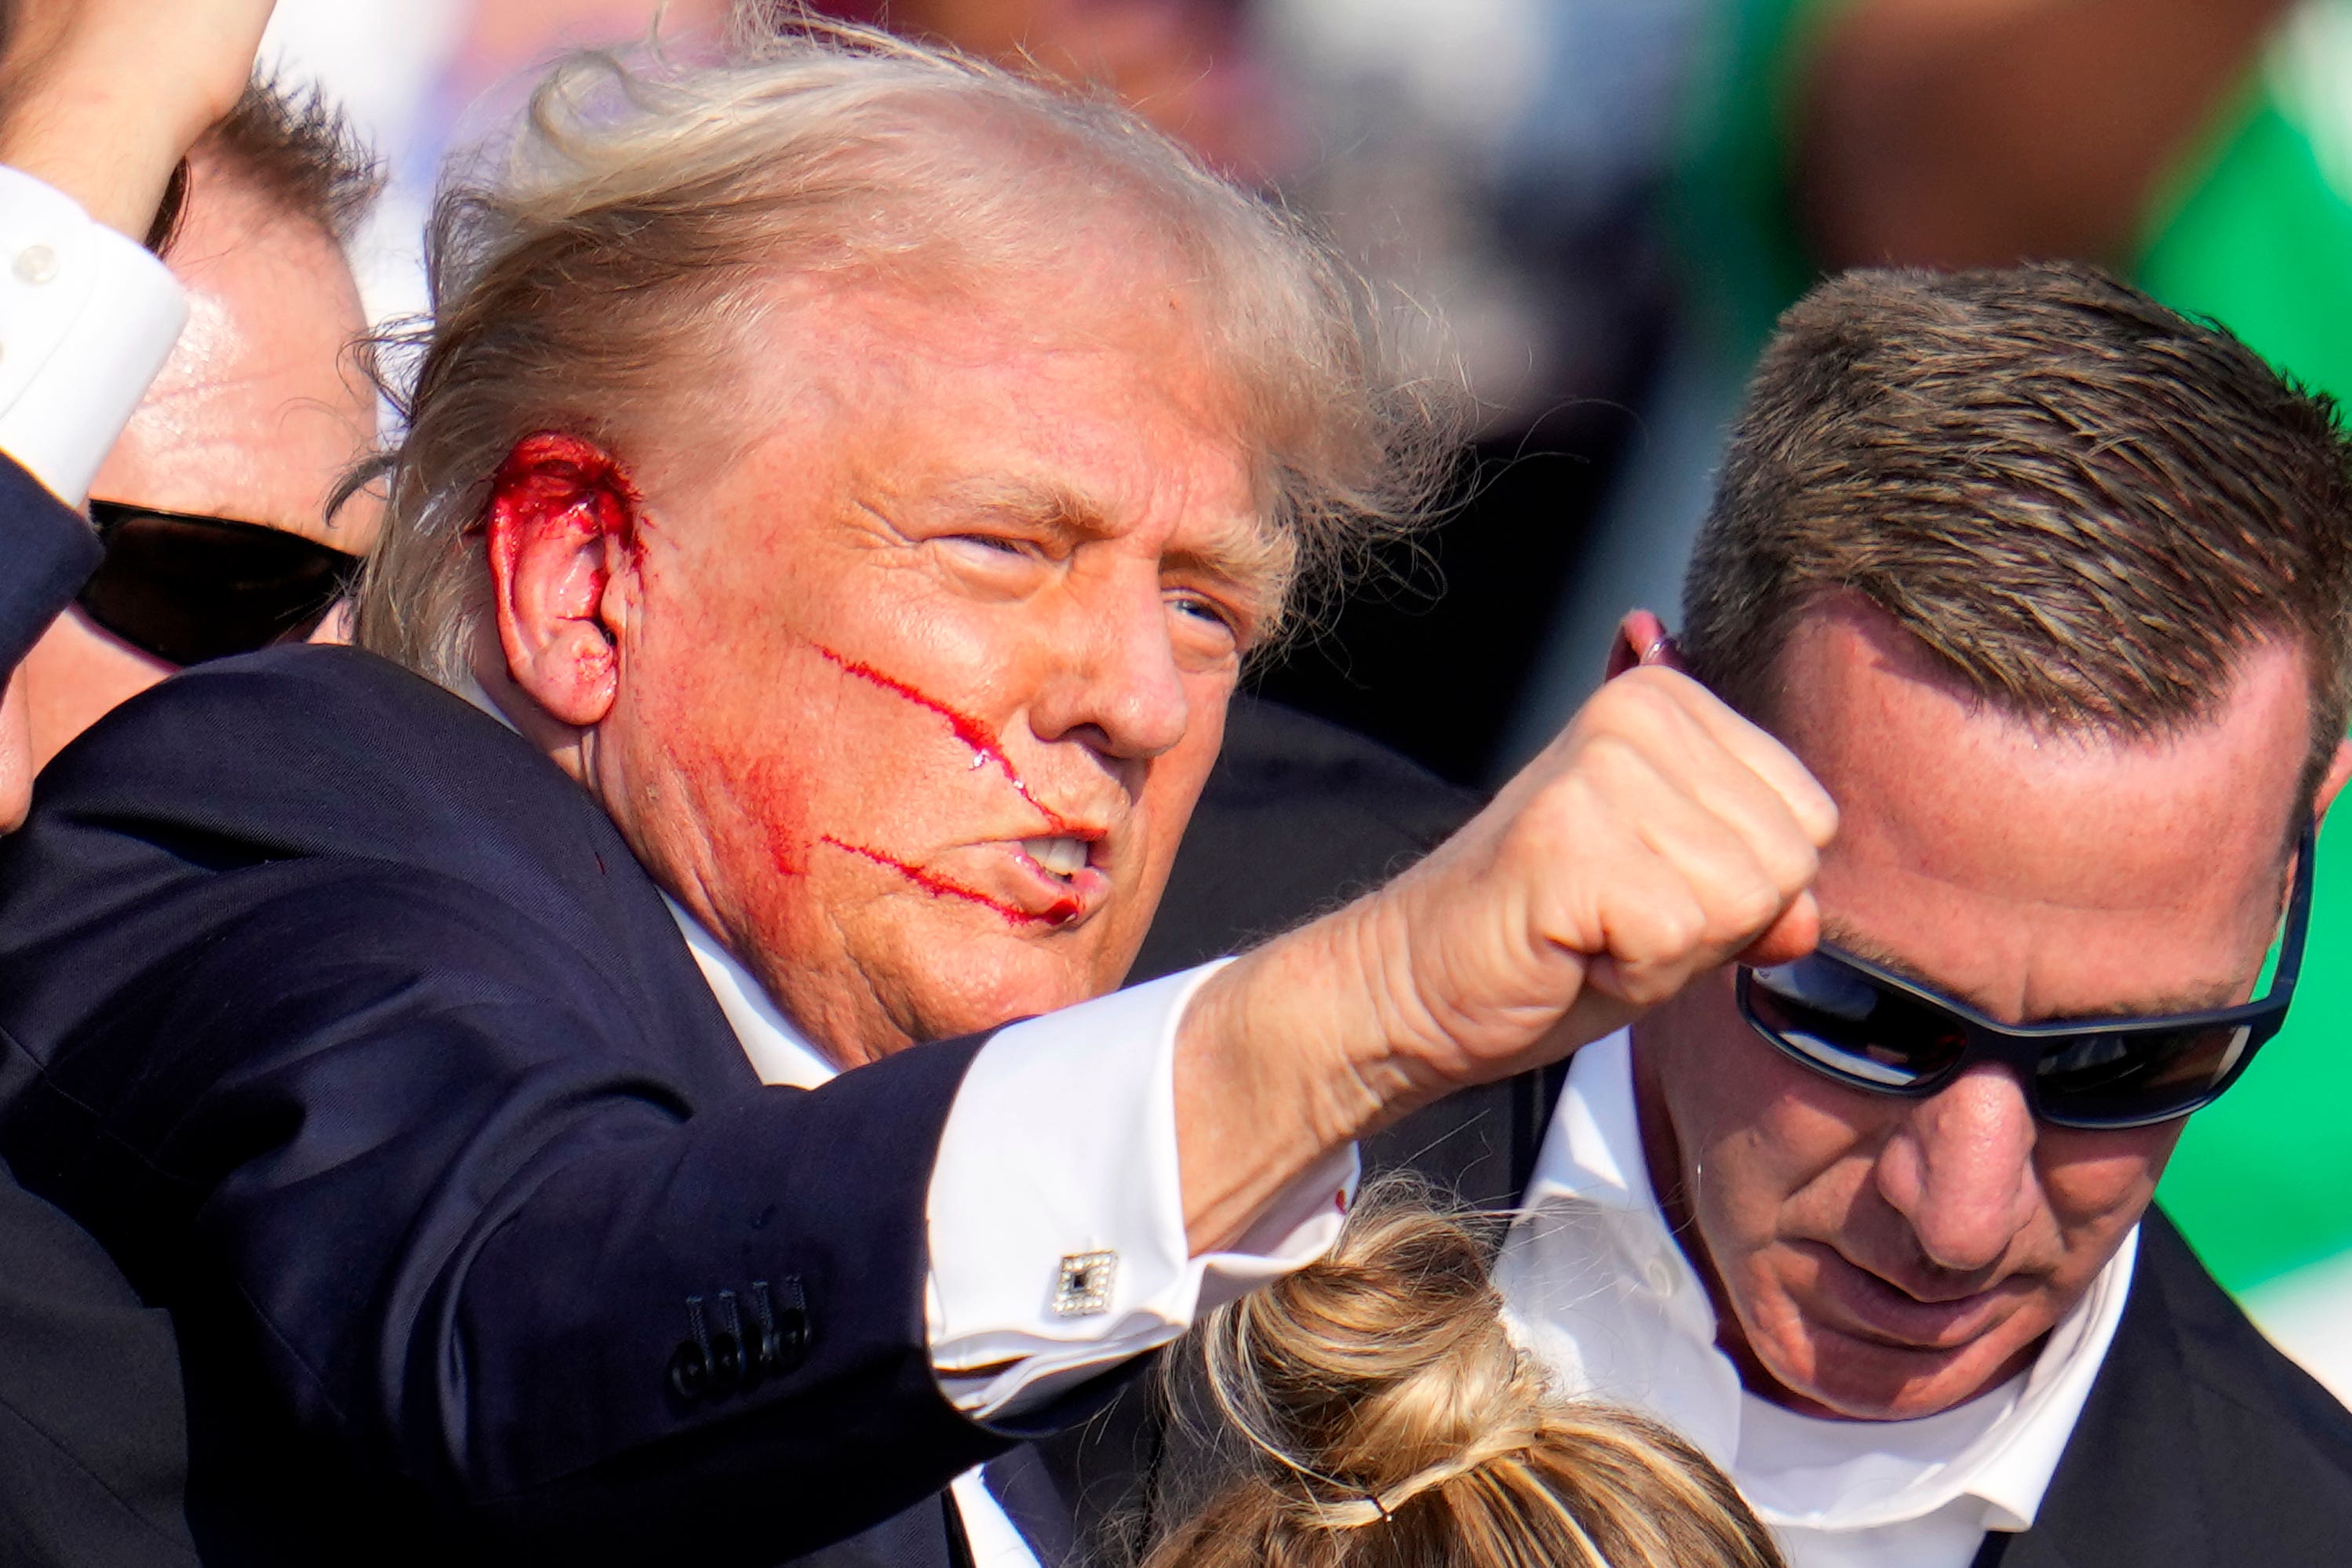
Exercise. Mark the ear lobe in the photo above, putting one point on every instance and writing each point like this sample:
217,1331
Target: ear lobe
2339,769
562,518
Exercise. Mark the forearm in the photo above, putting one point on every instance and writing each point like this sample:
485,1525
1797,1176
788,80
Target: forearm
1280,1061
1956,133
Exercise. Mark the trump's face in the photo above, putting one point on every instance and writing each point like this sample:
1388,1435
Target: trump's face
917,688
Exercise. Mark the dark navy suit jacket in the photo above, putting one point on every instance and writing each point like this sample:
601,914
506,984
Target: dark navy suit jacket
352,1027
91,1430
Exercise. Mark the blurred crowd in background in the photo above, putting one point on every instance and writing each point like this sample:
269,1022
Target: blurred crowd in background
1605,203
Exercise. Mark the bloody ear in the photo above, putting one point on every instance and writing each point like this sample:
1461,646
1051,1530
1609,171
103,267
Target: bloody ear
562,518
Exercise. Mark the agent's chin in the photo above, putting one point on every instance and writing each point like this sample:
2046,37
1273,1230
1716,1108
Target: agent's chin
1835,1374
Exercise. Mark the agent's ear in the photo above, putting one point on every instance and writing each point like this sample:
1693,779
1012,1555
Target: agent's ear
561,523
2339,769
1642,639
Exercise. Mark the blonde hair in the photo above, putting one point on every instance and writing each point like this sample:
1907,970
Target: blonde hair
1379,1416
631,239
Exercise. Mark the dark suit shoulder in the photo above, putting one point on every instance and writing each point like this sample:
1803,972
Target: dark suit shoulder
281,781
2230,1361
315,750
2199,1445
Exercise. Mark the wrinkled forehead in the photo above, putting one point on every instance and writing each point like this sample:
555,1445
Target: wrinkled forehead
1077,394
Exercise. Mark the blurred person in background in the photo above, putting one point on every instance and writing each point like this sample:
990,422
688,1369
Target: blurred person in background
213,506
2201,149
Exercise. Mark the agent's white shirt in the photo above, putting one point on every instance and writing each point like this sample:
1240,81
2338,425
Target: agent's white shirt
1595,1286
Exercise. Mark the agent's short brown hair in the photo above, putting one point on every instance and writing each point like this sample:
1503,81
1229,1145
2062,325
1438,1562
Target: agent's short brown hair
296,148
2085,505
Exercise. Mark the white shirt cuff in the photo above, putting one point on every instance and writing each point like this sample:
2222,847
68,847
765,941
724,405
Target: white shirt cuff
86,318
1056,1218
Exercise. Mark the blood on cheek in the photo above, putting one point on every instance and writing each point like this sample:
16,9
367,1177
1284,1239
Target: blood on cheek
986,750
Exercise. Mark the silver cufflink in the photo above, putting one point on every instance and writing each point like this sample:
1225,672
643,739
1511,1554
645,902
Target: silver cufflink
1083,1287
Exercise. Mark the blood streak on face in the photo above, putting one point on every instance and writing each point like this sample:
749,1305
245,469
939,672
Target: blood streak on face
938,886
985,748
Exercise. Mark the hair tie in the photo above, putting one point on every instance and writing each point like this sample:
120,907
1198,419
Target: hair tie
1377,1508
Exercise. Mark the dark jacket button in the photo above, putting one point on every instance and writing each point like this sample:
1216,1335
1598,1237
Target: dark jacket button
726,1362
689,1371
788,1341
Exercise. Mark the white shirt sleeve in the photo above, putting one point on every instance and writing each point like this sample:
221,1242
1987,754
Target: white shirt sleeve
86,318
1056,1215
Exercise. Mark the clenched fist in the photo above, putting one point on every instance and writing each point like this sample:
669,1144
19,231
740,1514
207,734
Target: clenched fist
1660,836
101,98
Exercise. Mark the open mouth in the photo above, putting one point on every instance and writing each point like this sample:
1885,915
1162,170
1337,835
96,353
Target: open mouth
1061,857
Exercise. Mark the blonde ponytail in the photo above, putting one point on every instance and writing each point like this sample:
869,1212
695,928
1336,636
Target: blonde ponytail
1378,1416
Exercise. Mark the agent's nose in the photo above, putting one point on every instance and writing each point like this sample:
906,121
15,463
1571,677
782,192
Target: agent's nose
1959,1168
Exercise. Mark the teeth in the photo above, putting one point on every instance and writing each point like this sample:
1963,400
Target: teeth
1063,857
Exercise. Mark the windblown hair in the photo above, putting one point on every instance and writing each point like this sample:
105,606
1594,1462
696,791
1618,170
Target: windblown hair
2085,506
296,148
1385,1420
634,241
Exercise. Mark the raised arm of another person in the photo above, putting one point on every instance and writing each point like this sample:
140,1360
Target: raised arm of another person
99,100
1974,132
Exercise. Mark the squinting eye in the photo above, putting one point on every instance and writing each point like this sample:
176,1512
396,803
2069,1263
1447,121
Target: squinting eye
995,544
1208,612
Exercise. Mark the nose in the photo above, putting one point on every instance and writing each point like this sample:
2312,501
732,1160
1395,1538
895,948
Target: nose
1120,688
1959,1168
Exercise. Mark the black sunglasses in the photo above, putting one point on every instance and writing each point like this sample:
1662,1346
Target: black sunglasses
187,588
1865,1026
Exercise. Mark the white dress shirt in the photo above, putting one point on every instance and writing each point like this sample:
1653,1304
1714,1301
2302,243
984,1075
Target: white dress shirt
1061,1140
1595,1286
86,318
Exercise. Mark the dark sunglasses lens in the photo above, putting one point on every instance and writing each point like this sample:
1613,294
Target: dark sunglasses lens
2132,1080
187,590
1841,1021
